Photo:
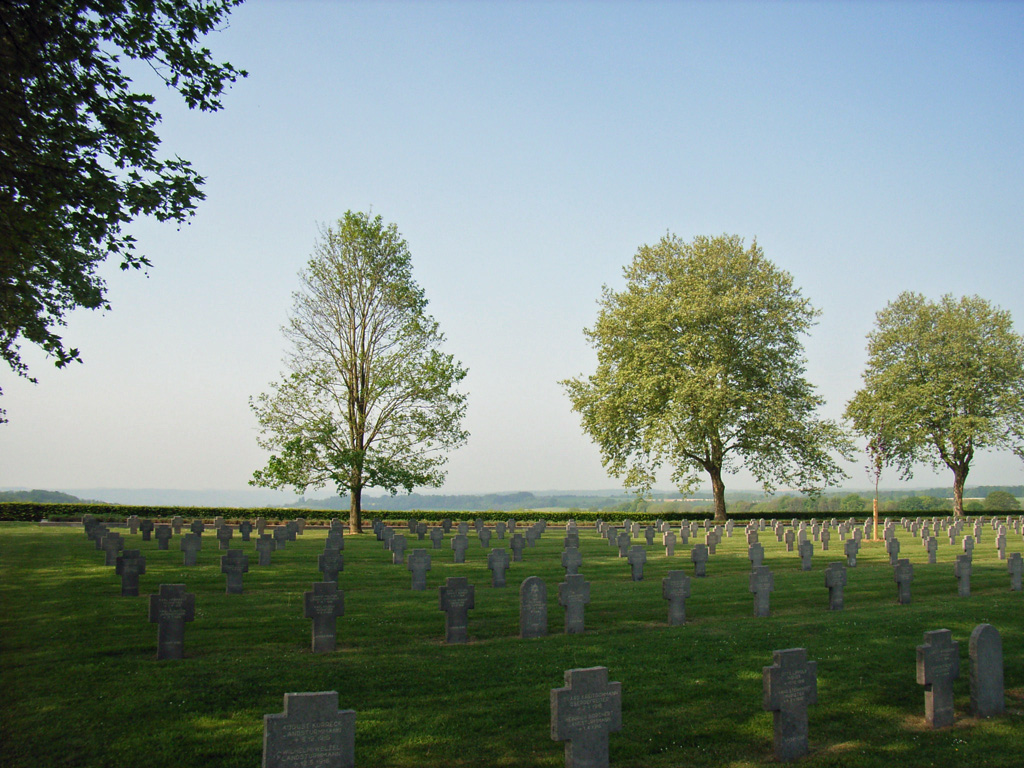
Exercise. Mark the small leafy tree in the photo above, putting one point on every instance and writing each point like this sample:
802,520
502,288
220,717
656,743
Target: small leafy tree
944,380
1001,501
79,151
369,400
700,367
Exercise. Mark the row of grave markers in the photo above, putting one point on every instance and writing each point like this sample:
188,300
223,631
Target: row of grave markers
312,731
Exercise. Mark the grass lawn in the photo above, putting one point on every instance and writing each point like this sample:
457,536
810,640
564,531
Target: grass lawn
82,687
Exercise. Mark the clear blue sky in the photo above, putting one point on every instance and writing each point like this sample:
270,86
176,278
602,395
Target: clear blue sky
525,150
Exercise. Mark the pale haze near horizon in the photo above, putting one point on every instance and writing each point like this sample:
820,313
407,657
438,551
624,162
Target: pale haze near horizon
525,151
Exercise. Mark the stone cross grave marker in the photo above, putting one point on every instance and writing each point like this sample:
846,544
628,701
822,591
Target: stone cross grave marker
572,560
197,527
668,540
622,541
111,544
938,665
261,525
191,544
421,531
456,600
637,557
446,525
968,545
224,534
932,546
1015,567
460,542
133,524
497,562
711,541
962,571
245,530
572,539
533,608
584,714
398,545
755,554
335,539
436,537
176,523
169,609
835,580
675,588
762,582
986,655
573,595
499,529
218,522
163,535
850,549
825,537
233,564
418,565
265,546
324,605
331,562
699,557
806,552
146,528
649,535
790,539
518,544
280,536
903,574
129,566
790,686
892,546
1001,546
485,537
311,733
463,528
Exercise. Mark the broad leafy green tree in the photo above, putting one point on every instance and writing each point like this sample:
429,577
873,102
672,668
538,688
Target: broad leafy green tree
701,369
79,151
944,380
1001,501
369,400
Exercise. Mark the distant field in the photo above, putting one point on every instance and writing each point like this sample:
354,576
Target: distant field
82,687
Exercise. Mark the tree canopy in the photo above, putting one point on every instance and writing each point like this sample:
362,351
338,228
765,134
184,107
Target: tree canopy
944,380
369,399
700,368
79,150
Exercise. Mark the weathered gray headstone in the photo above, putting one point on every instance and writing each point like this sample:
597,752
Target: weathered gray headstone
623,542
762,583
932,546
806,551
197,527
518,544
533,608
485,537
436,537
755,554
146,528
398,545
233,564
573,595
245,529
176,523
835,580
163,535
584,714
790,686
418,565
224,534
456,599
938,665
130,564
892,546
324,605
699,558
675,588
986,655
1015,567
311,733
191,544
169,609
668,540
790,539
903,574
460,543
497,562
850,549
265,546
962,571
637,557
111,544
572,560
331,562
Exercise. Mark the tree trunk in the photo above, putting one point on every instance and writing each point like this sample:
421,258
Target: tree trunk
355,510
959,478
718,487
